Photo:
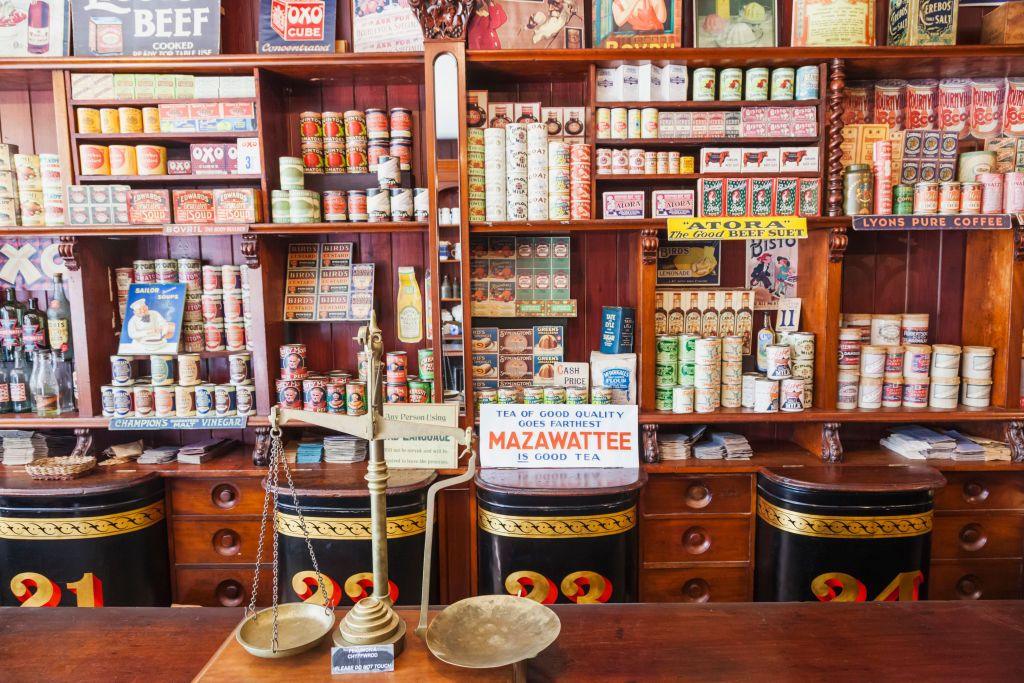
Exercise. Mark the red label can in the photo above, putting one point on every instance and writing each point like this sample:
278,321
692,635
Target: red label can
333,126
213,335
314,395
397,392
335,206
376,124
293,361
397,363
289,393
401,122
355,124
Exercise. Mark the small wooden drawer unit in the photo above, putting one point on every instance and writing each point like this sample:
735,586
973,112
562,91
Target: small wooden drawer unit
696,584
669,494
696,539
975,580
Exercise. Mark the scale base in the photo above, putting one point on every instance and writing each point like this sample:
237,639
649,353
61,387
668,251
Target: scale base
371,622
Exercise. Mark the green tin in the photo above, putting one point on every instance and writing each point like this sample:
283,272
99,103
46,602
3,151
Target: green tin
903,200
665,374
663,398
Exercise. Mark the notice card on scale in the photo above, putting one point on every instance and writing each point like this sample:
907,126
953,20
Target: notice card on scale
558,436
426,452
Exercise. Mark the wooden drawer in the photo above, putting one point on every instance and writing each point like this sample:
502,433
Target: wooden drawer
975,580
200,541
696,584
977,535
981,491
697,538
221,585
236,496
674,494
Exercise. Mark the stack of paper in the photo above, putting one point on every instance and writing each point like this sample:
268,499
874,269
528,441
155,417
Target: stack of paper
22,447
994,450
918,443
309,450
198,453
736,445
679,446
345,448
967,450
158,455
709,450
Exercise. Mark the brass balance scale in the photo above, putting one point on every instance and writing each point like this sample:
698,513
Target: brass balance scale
485,631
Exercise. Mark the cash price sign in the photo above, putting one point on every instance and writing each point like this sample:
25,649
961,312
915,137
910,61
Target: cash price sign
552,436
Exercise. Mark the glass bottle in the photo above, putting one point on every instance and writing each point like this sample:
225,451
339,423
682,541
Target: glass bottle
18,381
709,317
765,337
45,392
10,325
58,319
676,316
446,288
501,117
457,289
65,382
554,126
660,314
745,321
573,125
38,27
5,390
410,307
727,318
34,366
33,327
692,324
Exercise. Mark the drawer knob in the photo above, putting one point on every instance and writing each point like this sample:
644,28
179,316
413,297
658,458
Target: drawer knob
226,542
225,496
968,587
698,496
230,593
975,492
973,537
696,540
696,590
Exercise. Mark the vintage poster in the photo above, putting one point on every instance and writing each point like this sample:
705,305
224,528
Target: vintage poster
113,28
34,28
152,322
772,271
297,25
526,24
385,26
831,23
637,23
690,264
735,23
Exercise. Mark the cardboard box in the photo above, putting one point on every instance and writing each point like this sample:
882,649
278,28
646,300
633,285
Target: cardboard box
627,83
192,206
760,160
798,159
650,82
248,156
720,160
1004,25
669,203
922,22
92,86
149,207
622,204
617,329
674,83
236,205
124,86
606,90
206,87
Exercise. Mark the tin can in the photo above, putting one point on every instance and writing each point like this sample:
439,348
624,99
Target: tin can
926,198
314,394
807,83
355,398
184,401
121,371
88,120
783,83
755,85
577,396
311,127
152,159
245,399
225,400
376,124
508,395
533,395
708,351
234,335
375,151
426,363
401,149
397,366
205,399
991,192
357,211
707,399
129,119
110,123
231,277
766,395
703,84
858,190
150,120
336,396
293,361
554,395
1013,191
603,121
107,400
212,305
730,85
232,304
949,198
779,361
396,392
144,271
142,396
420,391
663,398
600,395
212,279
682,399
634,125
161,370
903,200
356,160
291,173
124,401
401,204
164,401
401,122
289,393
747,391
619,123
166,270
665,374
970,198
188,370
123,160
649,122
240,368
486,396
791,396
667,348
915,392
213,335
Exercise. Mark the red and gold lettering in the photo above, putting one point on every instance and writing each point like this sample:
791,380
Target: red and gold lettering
307,588
586,588
359,586
88,590
824,587
532,585
904,587
35,590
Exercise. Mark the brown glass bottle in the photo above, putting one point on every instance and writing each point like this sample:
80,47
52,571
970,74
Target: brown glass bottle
660,314
676,317
727,318
709,317
692,323
745,321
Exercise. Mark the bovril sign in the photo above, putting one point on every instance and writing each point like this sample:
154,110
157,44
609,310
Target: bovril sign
109,28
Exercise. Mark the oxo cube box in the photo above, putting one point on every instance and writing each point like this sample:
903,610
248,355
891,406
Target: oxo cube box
298,19
209,158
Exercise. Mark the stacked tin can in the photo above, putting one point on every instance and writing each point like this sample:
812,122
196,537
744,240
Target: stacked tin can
559,188
580,203
495,175
476,166
538,161
174,388
356,142
311,141
881,155
534,394
223,313
516,172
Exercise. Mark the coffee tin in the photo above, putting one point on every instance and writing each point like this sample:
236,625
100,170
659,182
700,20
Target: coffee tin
225,400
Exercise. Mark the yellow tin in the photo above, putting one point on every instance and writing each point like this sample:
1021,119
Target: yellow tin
109,121
150,120
130,119
88,120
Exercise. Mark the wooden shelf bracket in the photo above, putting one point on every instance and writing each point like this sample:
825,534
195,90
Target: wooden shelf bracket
83,443
251,250
831,445
649,437
837,242
649,246
443,19
261,449
1015,437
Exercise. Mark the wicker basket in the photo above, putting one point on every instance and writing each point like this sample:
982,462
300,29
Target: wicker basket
64,467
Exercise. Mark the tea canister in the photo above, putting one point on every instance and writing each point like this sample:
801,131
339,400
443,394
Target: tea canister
858,190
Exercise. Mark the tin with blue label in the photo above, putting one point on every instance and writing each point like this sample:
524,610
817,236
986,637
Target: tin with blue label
121,371
807,83
225,400
206,400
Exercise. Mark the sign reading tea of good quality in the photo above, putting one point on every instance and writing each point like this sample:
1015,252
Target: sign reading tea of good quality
110,28
297,25
737,228
558,436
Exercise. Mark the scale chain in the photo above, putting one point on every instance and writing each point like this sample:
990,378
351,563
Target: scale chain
305,535
250,610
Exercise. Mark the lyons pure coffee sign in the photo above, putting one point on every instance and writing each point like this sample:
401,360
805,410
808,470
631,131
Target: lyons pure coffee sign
111,28
297,25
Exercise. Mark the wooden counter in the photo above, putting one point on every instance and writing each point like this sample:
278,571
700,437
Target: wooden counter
805,641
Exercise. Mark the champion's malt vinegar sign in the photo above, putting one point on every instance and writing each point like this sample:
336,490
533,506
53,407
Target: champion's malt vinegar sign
737,228
558,436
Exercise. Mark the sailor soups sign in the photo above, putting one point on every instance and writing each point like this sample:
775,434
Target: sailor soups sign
558,436
108,28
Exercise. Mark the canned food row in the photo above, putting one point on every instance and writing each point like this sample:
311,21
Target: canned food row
536,395
183,369
201,400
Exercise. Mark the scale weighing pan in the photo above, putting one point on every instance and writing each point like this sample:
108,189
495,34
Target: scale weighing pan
489,631
300,627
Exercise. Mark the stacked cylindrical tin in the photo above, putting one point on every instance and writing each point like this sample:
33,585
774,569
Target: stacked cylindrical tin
559,180
537,171
517,168
579,181
311,141
495,178
476,157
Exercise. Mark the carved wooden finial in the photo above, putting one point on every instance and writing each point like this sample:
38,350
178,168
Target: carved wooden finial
251,250
831,446
68,250
443,19
837,241
649,246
